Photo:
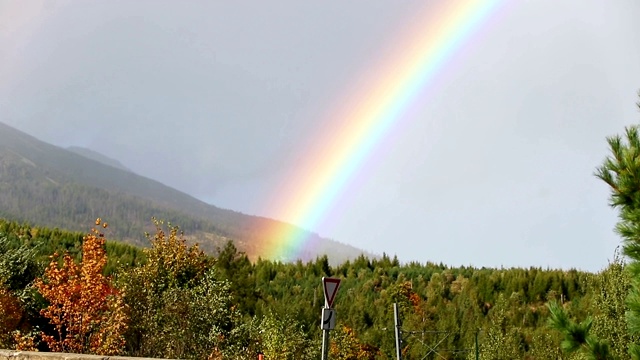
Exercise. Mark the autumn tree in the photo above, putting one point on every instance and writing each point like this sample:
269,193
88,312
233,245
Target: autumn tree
282,338
10,316
180,307
87,313
345,345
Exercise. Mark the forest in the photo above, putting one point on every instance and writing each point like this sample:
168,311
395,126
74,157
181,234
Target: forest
82,293
238,308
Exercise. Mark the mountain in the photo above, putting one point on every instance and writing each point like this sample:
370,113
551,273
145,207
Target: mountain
50,186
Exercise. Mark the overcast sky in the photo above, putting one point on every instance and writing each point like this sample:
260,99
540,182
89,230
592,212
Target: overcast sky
494,167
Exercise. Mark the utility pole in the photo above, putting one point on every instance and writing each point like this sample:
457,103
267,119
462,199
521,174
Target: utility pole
396,320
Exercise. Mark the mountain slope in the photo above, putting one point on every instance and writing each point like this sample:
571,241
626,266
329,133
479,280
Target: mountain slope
94,155
47,185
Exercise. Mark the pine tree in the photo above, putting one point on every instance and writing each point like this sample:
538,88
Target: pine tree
621,171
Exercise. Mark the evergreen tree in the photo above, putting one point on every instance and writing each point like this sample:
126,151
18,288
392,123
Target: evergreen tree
621,171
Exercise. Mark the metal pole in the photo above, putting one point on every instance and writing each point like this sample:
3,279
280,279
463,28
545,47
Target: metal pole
325,344
396,320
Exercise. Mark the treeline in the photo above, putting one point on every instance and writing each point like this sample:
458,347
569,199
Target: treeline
172,300
28,195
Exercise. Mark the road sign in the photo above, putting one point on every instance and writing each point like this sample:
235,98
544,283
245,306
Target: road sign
330,290
328,319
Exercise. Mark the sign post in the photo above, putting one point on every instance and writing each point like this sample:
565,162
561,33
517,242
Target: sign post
328,319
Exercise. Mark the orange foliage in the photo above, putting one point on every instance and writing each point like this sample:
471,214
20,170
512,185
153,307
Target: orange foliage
346,346
10,316
88,314
406,291
25,342
171,256
416,301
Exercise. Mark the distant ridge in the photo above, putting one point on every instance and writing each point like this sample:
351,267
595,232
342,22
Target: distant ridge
50,186
94,155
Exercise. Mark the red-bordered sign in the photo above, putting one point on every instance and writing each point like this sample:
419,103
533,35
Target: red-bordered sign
330,290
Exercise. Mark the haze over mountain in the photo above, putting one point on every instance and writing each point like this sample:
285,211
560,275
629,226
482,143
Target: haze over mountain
47,185
94,155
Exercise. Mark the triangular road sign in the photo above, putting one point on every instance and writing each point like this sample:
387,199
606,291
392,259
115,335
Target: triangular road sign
330,290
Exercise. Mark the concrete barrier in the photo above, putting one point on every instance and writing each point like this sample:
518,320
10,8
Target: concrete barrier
32,355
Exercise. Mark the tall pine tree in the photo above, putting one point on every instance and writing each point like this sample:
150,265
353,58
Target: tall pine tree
621,171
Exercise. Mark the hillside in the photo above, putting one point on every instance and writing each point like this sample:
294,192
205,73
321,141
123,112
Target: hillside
94,155
47,185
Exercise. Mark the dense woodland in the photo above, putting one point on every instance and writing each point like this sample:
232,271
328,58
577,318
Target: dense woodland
74,292
239,308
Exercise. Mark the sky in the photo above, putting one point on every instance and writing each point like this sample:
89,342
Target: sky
491,165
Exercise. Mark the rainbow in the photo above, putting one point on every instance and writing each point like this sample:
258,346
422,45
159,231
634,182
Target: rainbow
357,126
367,114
